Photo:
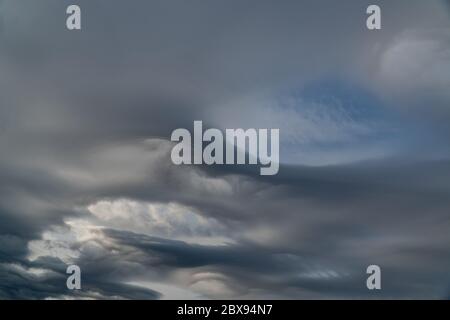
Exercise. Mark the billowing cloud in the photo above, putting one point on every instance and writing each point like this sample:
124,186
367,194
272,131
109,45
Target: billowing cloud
85,121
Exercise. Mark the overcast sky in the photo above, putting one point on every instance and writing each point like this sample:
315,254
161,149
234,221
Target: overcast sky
86,176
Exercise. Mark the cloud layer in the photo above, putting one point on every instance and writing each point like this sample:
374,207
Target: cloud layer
85,169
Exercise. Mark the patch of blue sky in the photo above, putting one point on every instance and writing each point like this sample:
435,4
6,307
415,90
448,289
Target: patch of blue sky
340,122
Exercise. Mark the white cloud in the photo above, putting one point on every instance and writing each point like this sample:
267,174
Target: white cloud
64,241
417,65
169,220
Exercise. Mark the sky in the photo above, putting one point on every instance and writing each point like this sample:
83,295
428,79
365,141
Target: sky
85,170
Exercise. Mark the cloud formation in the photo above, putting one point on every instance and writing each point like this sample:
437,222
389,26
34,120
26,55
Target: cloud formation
85,158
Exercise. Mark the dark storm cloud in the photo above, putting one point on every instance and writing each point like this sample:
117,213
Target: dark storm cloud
28,281
82,115
329,237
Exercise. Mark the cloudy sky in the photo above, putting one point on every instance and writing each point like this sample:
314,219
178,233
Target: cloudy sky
85,170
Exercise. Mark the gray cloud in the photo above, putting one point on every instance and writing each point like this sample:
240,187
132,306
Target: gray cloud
87,178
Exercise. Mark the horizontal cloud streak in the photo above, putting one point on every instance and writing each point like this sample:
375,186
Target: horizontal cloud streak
85,122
